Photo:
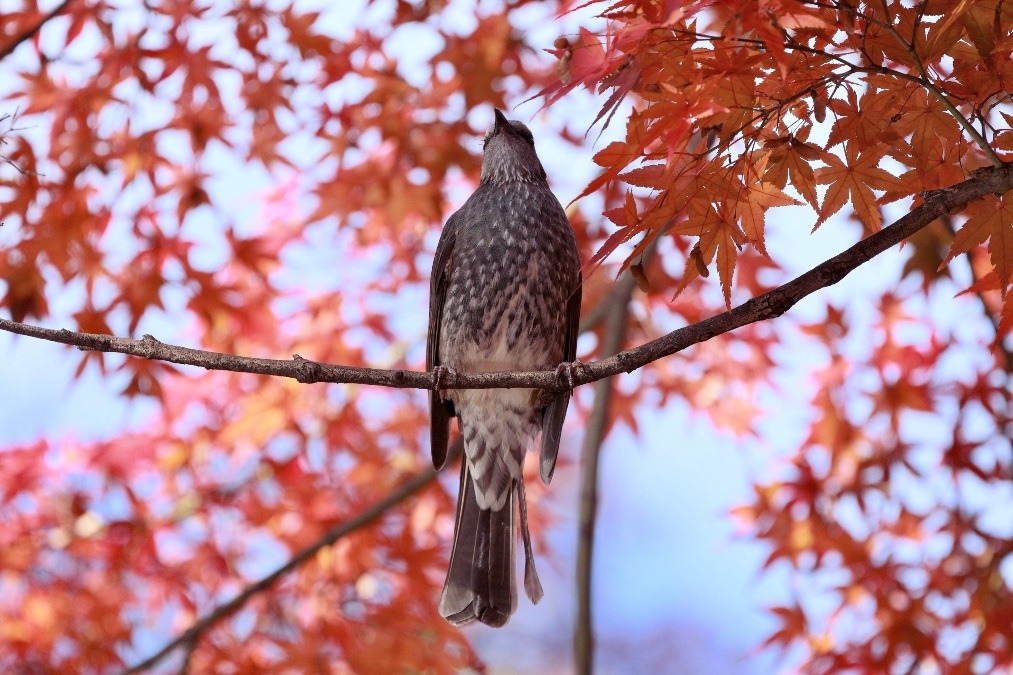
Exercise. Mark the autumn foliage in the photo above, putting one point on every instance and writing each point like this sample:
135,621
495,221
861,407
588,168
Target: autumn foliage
135,139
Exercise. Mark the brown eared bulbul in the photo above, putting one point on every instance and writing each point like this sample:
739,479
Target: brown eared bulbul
504,296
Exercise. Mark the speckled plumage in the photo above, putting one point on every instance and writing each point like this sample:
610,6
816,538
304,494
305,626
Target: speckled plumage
505,295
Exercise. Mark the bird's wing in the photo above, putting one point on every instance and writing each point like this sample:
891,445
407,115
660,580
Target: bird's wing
440,412
555,412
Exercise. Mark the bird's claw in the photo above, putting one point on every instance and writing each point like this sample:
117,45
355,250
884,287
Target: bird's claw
441,373
567,370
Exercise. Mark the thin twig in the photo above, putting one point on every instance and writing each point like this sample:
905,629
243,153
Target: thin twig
193,633
938,94
772,304
9,48
616,322
12,129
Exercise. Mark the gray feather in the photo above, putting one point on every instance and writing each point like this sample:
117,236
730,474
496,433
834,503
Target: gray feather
504,295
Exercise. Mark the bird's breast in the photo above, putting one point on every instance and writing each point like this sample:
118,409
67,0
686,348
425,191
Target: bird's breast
515,265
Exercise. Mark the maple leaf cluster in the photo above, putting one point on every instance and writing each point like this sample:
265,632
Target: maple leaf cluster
730,105
123,132
748,106
114,201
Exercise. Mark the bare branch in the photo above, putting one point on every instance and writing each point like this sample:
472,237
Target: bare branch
616,321
11,129
192,635
9,48
772,304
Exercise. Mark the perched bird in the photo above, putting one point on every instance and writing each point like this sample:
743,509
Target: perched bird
504,295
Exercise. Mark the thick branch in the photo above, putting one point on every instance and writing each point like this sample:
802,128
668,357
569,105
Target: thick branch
9,48
774,303
190,637
616,321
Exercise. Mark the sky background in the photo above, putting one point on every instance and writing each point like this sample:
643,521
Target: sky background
677,588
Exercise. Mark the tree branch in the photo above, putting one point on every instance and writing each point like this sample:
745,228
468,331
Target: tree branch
616,321
772,304
192,635
9,48
11,129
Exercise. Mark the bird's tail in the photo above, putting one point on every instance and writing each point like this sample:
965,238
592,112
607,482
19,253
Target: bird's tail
481,582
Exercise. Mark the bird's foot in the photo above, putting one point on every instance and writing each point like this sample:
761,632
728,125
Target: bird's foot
441,374
567,371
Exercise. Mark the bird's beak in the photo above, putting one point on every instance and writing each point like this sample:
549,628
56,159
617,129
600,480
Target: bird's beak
500,123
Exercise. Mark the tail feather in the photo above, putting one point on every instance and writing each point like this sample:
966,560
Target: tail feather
532,586
498,585
481,582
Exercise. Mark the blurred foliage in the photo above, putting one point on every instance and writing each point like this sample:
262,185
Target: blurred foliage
121,123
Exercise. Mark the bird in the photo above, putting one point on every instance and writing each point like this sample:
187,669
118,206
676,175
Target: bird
505,295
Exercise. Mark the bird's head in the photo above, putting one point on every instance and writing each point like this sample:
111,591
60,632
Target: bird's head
509,153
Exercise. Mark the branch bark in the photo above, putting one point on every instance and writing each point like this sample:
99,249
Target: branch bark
774,303
192,635
9,48
616,321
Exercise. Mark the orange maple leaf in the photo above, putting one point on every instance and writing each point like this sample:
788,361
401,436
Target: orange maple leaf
854,180
990,219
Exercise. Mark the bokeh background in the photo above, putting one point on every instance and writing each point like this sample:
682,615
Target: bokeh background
680,585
